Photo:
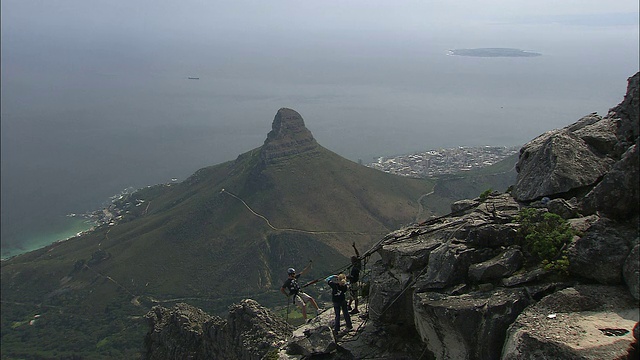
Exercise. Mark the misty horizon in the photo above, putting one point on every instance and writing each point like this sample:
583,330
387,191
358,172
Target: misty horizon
96,97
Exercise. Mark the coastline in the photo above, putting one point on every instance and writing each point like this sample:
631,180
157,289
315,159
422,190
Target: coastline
72,227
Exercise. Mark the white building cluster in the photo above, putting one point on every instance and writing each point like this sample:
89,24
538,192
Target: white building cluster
443,161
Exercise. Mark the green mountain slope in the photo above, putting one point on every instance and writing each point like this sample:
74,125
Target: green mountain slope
227,232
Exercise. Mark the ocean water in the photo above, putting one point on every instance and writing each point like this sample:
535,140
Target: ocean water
91,107
60,229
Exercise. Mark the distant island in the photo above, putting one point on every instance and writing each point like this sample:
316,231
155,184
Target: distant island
493,52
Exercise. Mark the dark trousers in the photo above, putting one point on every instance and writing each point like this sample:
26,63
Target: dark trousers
345,311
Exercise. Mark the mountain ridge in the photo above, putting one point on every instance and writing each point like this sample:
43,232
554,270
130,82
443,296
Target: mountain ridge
228,231
549,272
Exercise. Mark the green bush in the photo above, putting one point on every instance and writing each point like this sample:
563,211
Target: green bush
545,235
560,265
272,355
485,194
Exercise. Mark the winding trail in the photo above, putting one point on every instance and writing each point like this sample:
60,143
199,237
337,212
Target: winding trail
420,207
292,229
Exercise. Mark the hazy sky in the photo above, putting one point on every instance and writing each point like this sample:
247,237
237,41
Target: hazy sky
95,95
152,18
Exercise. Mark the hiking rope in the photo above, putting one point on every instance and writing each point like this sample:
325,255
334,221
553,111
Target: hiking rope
337,271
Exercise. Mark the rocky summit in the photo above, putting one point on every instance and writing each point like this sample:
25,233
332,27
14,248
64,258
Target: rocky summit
470,285
288,136
228,232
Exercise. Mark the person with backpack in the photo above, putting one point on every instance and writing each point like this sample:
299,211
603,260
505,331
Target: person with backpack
339,288
291,288
354,277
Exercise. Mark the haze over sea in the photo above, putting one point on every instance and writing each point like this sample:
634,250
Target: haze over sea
96,95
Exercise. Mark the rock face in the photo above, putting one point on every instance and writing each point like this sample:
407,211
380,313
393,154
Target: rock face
617,194
461,281
176,333
627,112
469,326
600,252
582,322
577,156
461,286
186,332
318,340
554,163
288,136
499,267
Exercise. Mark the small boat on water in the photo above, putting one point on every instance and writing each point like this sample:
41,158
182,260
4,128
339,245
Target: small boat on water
193,78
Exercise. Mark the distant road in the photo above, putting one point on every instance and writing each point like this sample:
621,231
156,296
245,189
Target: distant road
420,207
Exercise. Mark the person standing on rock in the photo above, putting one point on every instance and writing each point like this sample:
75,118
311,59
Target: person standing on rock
292,288
338,284
354,277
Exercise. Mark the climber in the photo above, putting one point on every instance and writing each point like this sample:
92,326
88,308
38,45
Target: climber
354,277
338,284
292,287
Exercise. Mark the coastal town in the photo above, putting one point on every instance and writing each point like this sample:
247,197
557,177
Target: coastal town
443,161
425,164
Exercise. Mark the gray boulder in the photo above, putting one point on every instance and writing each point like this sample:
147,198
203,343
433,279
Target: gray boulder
314,341
584,322
584,121
555,163
449,265
501,208
600,136
462,205
582,224
469,326
577,156
498,267
529,276
410,255
617,195
601,251
492,235
390,296
566,209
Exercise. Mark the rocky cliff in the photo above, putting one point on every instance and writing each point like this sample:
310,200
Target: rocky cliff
186,332
288,136
466,285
